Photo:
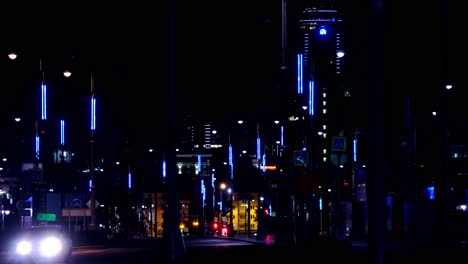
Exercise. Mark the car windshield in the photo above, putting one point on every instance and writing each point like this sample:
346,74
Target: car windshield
44,229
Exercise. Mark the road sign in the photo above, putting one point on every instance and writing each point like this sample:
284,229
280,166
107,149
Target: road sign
76,212
96,204
36,175
338,144
76,203
46,217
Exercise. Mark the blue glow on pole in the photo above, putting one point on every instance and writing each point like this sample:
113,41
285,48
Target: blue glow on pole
264,163
320,204
129,180
90,184
212,186
259,154
203,192
37,147
93,113
299,73
355,150
311,98
199,164
164,168
282,136
231,165
62,132
43,102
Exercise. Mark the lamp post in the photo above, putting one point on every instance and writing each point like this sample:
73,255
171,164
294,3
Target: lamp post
92,197
222,188
231,224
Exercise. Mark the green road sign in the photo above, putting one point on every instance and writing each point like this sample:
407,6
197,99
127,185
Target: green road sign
46,217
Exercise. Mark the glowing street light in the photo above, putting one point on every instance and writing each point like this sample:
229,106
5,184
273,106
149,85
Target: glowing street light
67,73
12,55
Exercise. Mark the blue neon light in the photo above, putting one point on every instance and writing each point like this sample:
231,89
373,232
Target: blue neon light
199,164
259,155
43,102
164,168
300,59
231,165
264,163
37,147
129,180
311,98
93,113
62,132
431,192
282,136
203,191
323,31
355,150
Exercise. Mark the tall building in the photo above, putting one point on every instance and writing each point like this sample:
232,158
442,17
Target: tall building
319,131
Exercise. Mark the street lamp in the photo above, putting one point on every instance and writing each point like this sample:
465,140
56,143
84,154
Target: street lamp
222,188
231,225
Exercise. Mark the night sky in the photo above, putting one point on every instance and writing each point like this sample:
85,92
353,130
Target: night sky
228,55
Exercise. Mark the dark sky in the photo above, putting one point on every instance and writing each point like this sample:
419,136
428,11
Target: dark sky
227,57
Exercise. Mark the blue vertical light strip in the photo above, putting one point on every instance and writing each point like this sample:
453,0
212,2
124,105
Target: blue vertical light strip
282,136
37,147
259,154
93,113
164,168
62,132
300,59
43,102
264,162
90,183
199,164
203,192
213,187
311,98
231,165
355,150
129,179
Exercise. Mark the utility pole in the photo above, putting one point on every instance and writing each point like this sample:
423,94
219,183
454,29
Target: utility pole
173,240
377,110
92,197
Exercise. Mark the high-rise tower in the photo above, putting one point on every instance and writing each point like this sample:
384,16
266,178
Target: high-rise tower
320,128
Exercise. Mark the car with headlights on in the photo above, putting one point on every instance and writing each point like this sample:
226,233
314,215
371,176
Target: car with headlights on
41,244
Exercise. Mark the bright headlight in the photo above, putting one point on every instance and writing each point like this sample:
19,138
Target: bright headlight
23,248
50,247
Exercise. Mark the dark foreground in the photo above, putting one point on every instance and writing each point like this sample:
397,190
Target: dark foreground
312,252
323,251
209,250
